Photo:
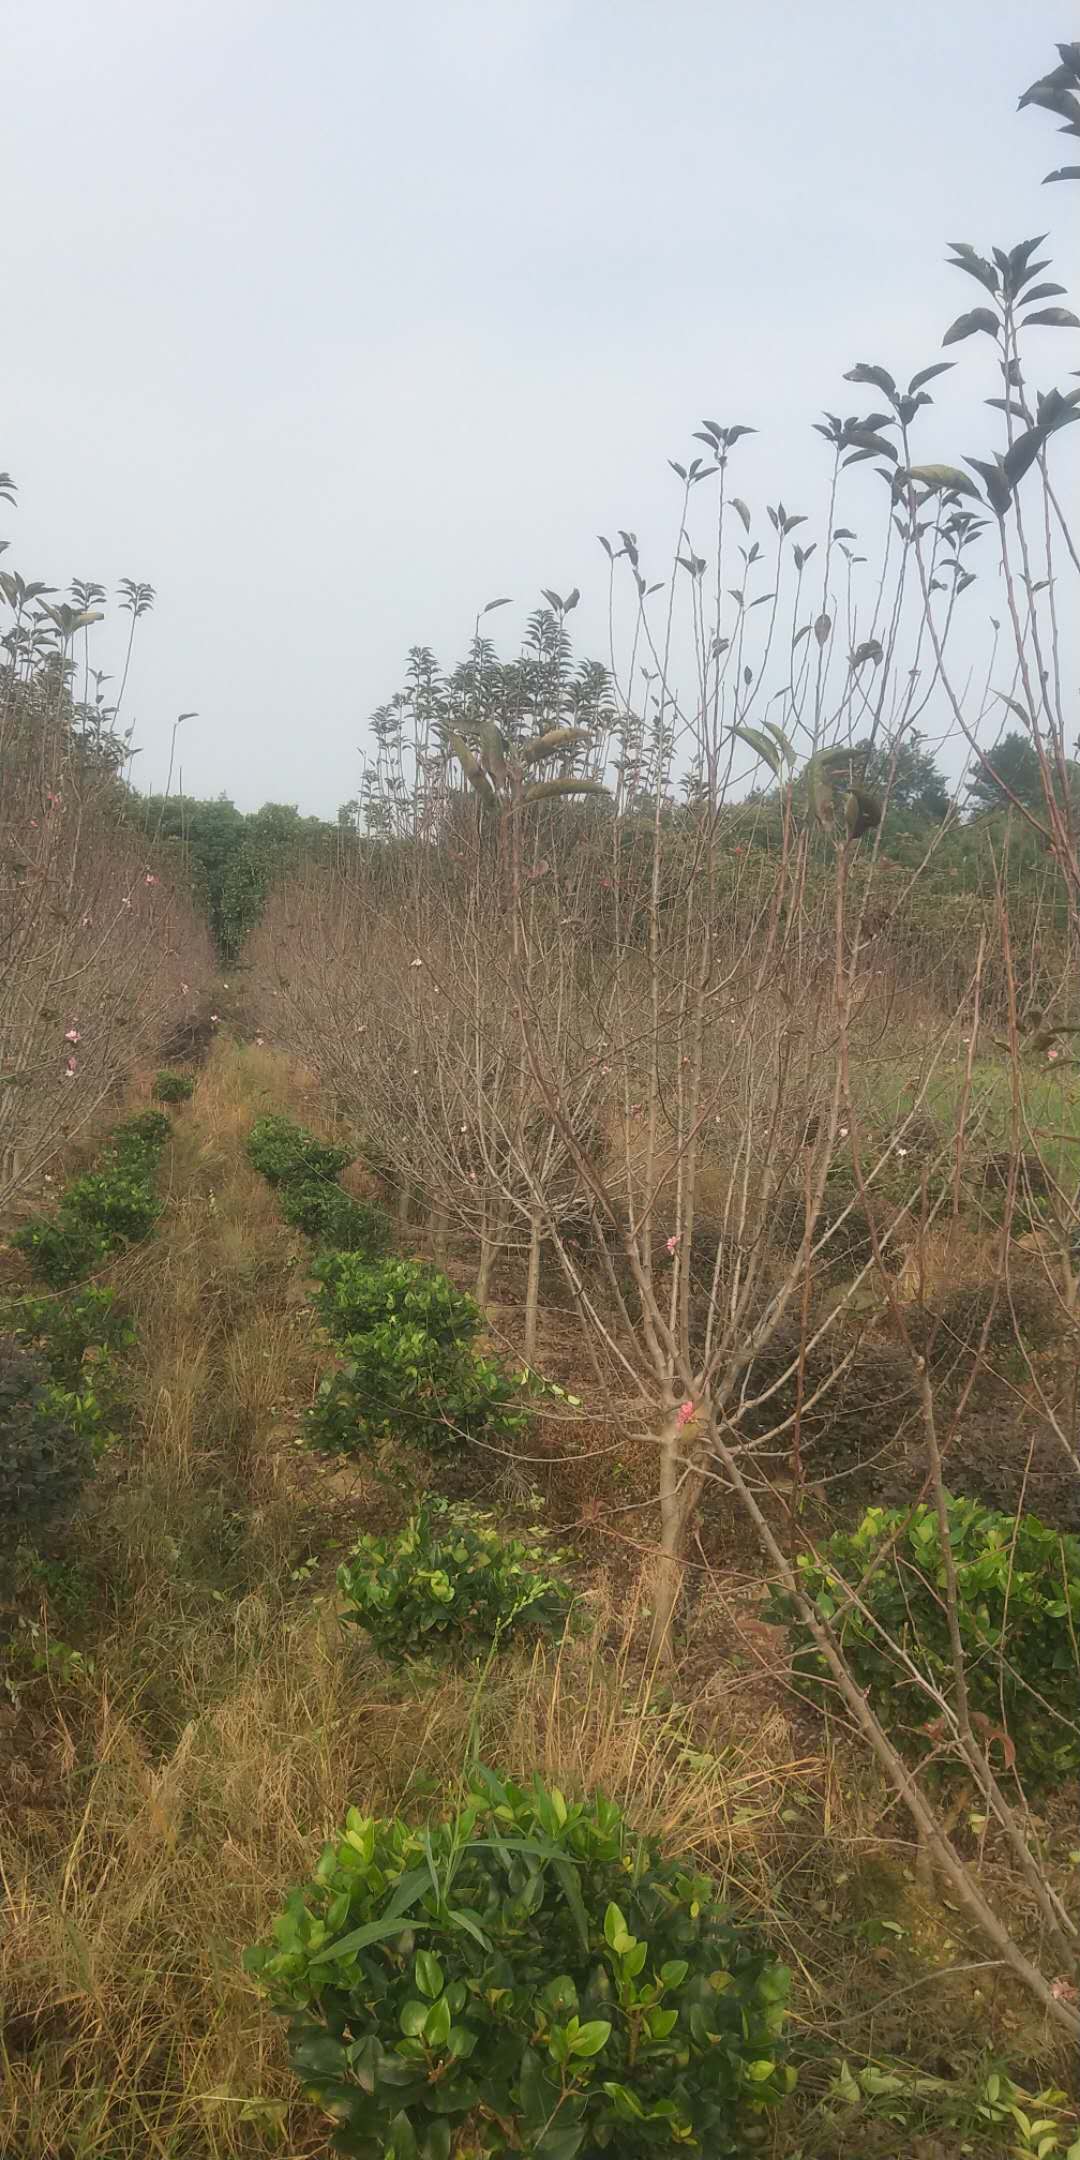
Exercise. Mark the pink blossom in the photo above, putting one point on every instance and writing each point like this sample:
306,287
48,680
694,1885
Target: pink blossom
150,879
684,1413
1051,1055
70,1069
71,1035
674,1242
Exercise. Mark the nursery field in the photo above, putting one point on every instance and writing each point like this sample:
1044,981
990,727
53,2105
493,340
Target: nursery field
540,1318
232,1645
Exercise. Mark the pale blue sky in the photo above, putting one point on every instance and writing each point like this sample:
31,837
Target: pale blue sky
335,320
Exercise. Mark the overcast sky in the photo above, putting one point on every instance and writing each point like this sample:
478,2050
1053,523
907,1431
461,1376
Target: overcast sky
335,320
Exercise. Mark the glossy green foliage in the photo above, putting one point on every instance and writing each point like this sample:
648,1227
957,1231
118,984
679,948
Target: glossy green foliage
528,1978
1018,1611
284,1152
451,1584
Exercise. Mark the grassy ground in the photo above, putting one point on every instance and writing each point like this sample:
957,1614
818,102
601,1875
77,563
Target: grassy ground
1038,1101
201,1722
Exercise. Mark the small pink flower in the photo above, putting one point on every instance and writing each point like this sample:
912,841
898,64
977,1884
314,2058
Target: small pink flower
55,802
674,1243
150,879
215,1017
1050,1056
685,1413
71,1035
34,824
70,1069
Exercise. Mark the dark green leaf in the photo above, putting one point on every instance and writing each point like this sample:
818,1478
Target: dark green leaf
760,745
1052,318
965,326
927,374
879,376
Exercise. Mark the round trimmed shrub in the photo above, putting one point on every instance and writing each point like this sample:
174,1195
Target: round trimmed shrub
850,1411
142,1136
354,1297
528,1978
173,1087
1019,1616
334,1219
399,1383
44,1458
65,1330
451,1584
281,1150
60,1248
117,1202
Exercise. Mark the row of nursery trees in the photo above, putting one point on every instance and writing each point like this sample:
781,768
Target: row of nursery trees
530,1975
592,1034
103,954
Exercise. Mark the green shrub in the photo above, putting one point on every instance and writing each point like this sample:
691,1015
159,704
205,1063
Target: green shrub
68,1331
400,1383
1019,1615
356,1297
282,1151
81,1339
450,1582
118,1202
529,1978
334,1219
173,1087
103,1211
139,1138
60,1250
44,1455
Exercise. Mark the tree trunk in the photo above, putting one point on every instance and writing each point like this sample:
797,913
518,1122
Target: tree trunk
490,1239
680,1485
532,1289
